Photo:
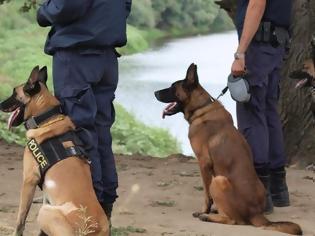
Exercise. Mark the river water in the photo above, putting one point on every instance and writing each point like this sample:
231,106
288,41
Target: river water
143,73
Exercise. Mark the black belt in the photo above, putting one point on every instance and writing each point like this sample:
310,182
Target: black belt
272,34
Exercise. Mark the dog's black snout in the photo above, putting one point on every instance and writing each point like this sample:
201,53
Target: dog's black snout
165,95
157,95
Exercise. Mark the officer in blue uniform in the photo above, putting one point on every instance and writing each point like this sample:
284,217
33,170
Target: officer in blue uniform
263,27
82,41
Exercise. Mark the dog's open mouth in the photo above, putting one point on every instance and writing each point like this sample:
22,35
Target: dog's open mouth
303,78
16,117
301,83
171,109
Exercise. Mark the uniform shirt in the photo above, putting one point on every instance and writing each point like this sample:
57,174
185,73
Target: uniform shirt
87,24
277,11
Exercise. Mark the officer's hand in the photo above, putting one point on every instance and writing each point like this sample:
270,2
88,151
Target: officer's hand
238,67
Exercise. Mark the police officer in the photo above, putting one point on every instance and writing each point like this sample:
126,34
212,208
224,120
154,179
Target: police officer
82,41
263,32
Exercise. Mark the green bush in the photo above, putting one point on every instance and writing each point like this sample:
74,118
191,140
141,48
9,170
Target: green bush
188,16
130,136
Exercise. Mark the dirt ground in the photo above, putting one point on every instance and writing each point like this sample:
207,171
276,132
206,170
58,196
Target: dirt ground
157,197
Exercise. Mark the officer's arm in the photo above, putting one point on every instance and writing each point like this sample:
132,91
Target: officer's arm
254,14
128,6
61,11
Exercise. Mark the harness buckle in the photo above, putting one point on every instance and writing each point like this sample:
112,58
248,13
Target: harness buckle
31,123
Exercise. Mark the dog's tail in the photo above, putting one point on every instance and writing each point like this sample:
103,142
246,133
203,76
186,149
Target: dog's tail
284,227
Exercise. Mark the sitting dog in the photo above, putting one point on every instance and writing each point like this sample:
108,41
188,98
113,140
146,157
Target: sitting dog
54,160
224,157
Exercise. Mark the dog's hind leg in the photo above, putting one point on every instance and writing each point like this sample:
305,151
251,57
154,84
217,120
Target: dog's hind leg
53,222
224,198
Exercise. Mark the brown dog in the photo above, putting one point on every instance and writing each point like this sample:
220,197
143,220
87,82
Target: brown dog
225,158
74,208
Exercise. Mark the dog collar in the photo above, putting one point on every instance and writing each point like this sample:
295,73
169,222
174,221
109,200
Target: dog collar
208,102
35,121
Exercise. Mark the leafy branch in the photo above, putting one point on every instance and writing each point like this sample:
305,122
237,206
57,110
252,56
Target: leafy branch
27,5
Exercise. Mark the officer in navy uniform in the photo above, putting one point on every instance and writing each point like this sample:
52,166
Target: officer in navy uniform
82,41
263,27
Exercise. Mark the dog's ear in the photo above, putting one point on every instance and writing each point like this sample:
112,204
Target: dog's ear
34,75
192,76
32,85
42,75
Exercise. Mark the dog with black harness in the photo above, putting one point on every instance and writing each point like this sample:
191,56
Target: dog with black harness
55,160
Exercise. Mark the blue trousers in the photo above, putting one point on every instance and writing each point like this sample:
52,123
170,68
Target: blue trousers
85,83
258,119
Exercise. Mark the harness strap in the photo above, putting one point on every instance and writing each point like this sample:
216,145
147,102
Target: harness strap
52,151
35,121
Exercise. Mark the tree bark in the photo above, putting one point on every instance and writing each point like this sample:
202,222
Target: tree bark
296,116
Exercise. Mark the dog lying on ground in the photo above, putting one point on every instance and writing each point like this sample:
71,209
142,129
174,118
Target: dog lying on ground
224,157
74,208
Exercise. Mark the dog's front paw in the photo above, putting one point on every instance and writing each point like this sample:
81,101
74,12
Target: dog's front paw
17,233
197,214
204,217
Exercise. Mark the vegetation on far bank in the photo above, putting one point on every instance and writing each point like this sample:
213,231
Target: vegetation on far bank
153,19
21,48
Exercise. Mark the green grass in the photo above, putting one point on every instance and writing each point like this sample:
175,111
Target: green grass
124,231
131,136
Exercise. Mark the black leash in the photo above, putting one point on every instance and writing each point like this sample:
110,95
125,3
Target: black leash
223,92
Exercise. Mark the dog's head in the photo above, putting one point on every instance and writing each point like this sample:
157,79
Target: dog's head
23,96
306,75
185,95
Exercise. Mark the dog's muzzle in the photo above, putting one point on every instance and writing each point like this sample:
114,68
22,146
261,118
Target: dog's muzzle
165,95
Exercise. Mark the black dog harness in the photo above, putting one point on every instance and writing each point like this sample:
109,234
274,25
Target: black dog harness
52,151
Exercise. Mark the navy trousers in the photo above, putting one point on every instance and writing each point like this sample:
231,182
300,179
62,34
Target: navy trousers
258,119
85,83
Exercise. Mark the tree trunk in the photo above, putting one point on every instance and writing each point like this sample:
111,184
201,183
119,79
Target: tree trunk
296,116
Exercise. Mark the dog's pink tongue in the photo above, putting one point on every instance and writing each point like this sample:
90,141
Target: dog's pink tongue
301,83
12,117
168,109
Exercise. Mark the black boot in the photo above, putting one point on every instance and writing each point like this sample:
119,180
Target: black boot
269,204
279,188
263,175
108,208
